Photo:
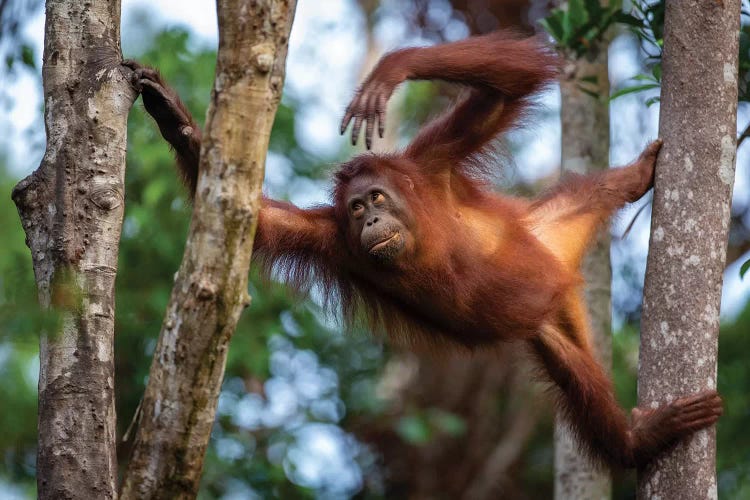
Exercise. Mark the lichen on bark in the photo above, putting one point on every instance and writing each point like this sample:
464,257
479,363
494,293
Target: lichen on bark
694,176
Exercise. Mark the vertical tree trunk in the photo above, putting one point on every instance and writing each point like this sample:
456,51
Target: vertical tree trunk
691,213
71,209
210,290
585,149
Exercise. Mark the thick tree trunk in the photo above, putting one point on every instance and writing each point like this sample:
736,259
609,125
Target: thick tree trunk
691,214
71,209
585,149
210,290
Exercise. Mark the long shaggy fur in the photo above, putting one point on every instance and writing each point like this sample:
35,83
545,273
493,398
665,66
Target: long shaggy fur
479,268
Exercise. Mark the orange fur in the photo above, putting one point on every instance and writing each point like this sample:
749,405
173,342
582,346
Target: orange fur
484,268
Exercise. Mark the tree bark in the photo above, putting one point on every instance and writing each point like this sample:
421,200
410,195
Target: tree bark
691,213
71,209
210,289
585,149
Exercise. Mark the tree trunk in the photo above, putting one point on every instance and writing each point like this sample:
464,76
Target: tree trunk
210,290
71,208
585,149
694,177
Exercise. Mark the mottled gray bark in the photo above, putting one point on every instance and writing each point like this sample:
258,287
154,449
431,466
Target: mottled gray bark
210,290
71,208
585,148
694,179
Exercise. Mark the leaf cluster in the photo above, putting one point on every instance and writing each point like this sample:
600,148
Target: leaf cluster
650,33
579,25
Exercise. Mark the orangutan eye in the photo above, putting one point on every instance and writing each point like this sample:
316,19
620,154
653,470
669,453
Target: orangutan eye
358,210
377,197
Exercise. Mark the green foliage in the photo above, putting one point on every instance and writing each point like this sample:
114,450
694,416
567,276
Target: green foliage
20,320
733,440
420,100
744,268
650,29
24,53
277,332
651,83
414,429
650,32
580,24
16,46
421,427
156,219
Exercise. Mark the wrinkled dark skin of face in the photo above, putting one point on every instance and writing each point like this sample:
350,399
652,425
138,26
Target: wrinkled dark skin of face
377,219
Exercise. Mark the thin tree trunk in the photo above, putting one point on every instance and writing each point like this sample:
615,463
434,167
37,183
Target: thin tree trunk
585,149
210,290
71,208
691,213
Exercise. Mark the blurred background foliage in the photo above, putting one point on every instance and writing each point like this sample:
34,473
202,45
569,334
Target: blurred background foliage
305,411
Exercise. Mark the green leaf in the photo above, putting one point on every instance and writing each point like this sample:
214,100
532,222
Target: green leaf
594,9
744,269
584,36
553,25
614,6
592,33
656,70
577,13
567,24
652,100
27,56
414,429
630,90
449,423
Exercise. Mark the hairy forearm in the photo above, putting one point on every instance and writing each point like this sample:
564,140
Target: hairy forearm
514,67
187,150
174,120
284,228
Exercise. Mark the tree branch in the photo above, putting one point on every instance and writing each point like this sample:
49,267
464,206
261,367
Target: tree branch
210,290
